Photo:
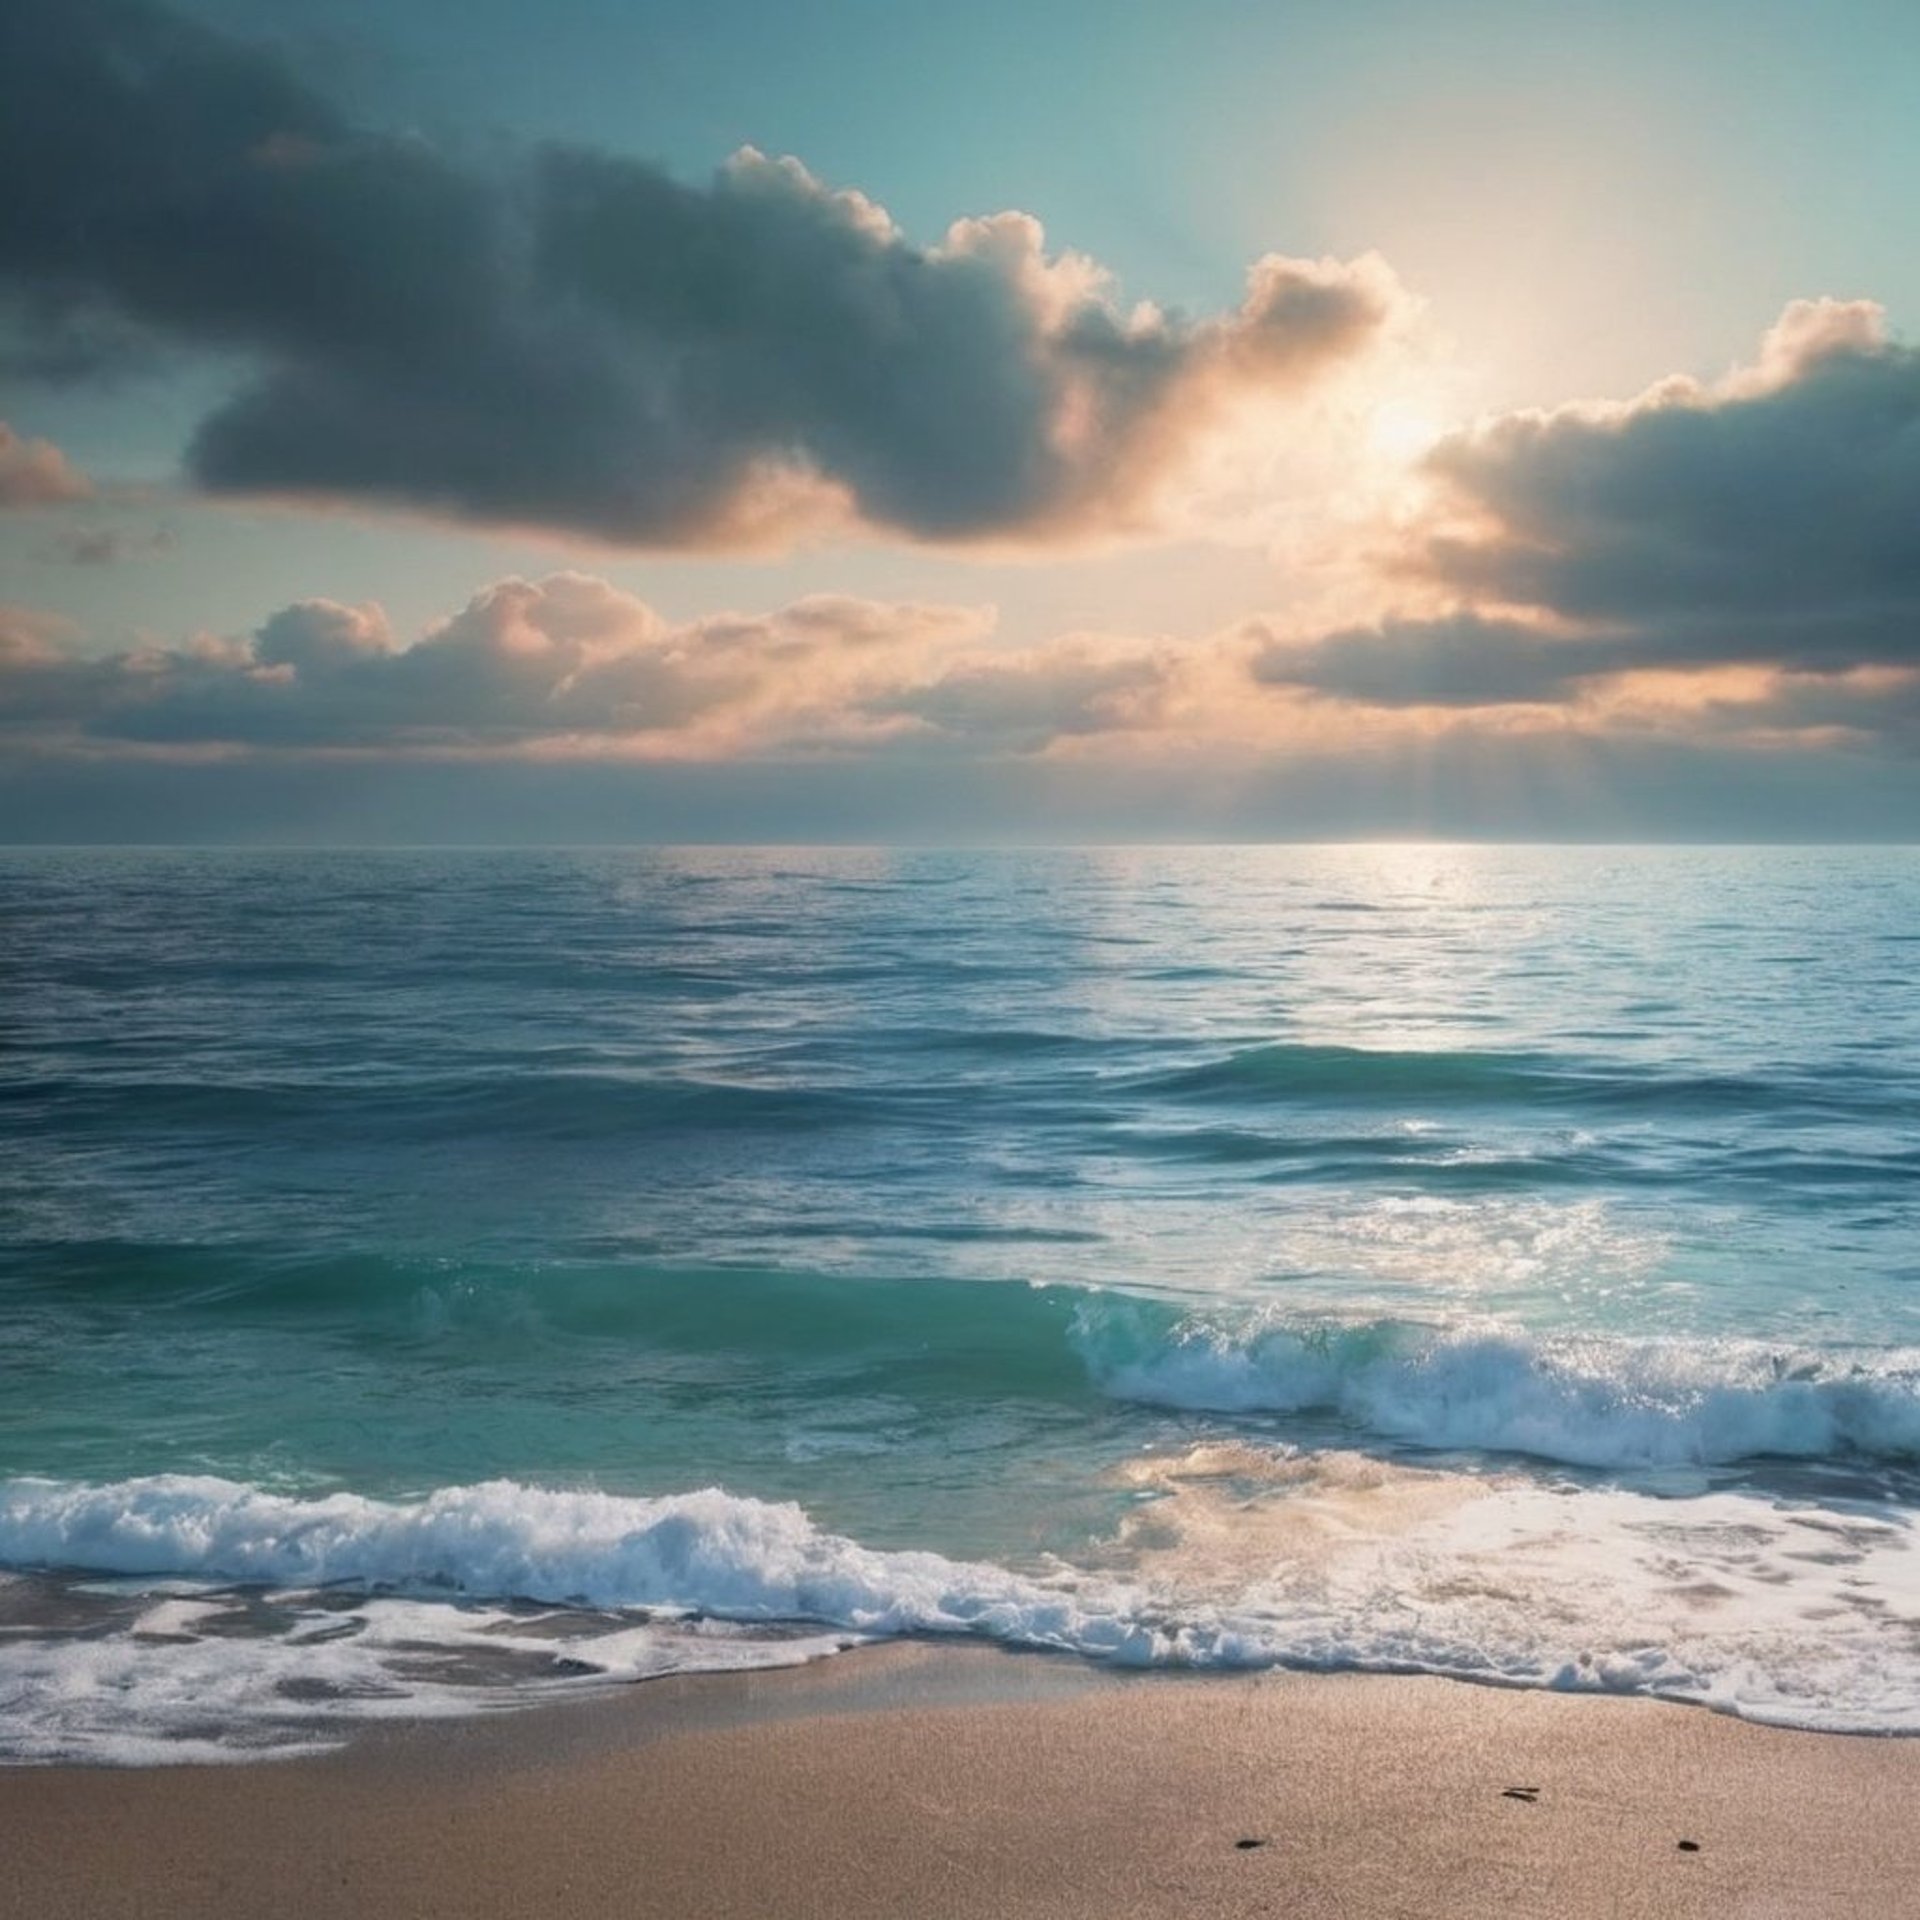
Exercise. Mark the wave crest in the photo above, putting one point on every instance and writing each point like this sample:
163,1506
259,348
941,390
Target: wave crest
1584,1401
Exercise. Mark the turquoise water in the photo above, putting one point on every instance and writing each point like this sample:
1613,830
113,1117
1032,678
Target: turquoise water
429,1279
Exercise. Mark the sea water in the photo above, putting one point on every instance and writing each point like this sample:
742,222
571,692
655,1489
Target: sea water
432,1281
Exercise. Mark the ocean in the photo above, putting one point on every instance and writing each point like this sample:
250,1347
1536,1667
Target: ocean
436,1281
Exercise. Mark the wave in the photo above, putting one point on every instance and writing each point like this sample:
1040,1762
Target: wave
1353,1073
372,1608
1579,1400
707,1551
1046,1076
1482,1077
524,1105
1603,1401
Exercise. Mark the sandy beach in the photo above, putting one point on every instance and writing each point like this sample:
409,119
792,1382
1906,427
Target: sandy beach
933,1781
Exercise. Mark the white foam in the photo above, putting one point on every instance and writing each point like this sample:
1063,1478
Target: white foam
177,1697
706,1551
178,1618
1804,1615
1585,1401
159,1692
1779,1612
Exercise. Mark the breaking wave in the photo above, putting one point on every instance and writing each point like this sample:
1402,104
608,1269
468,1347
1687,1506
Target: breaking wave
1583,1401
262,1621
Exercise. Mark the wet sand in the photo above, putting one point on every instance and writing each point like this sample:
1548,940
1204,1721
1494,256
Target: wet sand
928,1781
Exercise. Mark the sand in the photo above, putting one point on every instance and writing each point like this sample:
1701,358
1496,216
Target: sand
924,1781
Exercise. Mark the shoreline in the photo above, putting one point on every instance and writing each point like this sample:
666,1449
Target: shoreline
929,1779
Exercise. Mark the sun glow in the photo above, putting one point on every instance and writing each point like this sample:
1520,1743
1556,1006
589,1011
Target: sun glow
1401,430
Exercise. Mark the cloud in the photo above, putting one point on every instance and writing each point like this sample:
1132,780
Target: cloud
1463,660
566,708
1706,558
1022,705
571,663
111,546
1467,660
35,473
29,634
1770,515
573,666
568,659
569,340
1864,707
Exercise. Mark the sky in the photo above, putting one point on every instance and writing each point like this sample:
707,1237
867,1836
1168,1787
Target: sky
618,420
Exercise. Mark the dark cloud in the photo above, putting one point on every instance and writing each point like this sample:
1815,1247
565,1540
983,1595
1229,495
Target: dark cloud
1464,660
1880,707
1467,659
1773,516
110,546
570,340
1768,522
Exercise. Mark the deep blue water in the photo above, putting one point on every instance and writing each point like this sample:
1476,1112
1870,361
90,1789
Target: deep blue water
1226,1256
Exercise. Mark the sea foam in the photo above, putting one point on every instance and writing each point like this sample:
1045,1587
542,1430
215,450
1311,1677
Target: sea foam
1775,1610
706,1551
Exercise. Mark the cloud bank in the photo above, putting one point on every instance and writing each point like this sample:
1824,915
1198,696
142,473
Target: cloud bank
565,663
568,340
1745,551
566,709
